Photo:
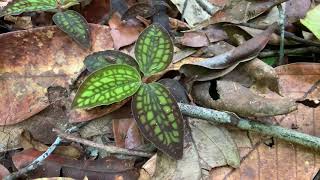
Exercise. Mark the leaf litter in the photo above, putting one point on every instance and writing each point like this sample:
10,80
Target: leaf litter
232,79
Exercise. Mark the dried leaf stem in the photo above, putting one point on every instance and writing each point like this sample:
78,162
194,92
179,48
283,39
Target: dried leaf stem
244,124
282,26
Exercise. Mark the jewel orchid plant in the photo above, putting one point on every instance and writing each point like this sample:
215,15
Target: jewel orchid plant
69,21
116,76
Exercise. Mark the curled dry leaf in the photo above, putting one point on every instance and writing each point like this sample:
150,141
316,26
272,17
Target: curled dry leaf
278,159
296,10
250,49
241,11
255,74
222,95
34,60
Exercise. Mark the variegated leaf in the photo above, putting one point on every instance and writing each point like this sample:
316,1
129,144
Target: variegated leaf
154,50
75,25
101,59
159,118
16,7
108,85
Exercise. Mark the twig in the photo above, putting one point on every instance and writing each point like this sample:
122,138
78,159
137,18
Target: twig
37,162
282,24
271,53
267,129
287,34
108,148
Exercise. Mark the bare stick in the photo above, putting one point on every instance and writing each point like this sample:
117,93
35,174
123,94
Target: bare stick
282,24
267,129
271,53
108,148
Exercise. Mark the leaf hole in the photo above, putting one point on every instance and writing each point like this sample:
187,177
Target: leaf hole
213,90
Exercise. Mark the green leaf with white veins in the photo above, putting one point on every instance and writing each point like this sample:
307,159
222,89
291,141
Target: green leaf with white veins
154,50
108,85
74,25
16,7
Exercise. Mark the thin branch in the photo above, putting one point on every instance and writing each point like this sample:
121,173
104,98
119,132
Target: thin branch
271,53
282,26
287,34
244,124
107,148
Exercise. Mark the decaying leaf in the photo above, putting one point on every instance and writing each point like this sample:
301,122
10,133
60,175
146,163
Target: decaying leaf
207,69
193,39
140,9
272,158
97,11
123,33
255,74
34,60
56,166
126,133
242,11
221,95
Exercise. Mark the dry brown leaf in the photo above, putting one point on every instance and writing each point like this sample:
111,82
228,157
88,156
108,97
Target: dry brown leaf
126,133
283,160
123,33
34,60
97,11
193,39
233,97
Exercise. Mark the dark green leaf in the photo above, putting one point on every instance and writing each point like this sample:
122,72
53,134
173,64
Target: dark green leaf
154,50
74,25
101,59
108,85
16,7
159,118
65,4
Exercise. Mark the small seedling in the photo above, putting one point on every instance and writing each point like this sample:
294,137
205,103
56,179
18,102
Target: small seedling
154,108
68,21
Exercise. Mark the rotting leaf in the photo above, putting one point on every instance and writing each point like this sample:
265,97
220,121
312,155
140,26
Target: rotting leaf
123,33
57,166
25,76
222,95
75,26
108,85
229,60
282,158
16,7
154,50
3,171
159,118
101,59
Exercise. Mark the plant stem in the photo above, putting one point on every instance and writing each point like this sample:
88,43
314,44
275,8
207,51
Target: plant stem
282,27
244,124
294,51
